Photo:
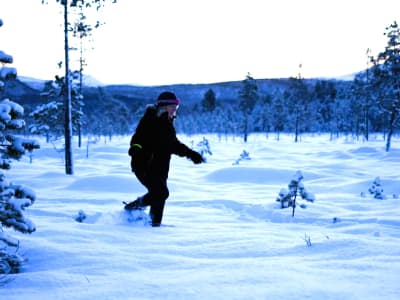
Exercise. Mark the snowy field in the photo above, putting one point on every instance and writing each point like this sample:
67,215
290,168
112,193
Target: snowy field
225,236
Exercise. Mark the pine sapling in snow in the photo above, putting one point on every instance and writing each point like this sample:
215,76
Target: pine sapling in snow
376,189
204,147
288,197
81,216
243,156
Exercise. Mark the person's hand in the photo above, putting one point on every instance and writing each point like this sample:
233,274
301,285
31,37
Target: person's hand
196,157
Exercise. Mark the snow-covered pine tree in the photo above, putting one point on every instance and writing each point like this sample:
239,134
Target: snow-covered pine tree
248,95
49,118
288,197
279,114
298,100
13,198
386,79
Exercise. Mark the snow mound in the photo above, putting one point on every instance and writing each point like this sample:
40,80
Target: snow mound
255,175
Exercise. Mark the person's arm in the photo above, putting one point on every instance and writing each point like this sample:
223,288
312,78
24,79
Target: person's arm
181,149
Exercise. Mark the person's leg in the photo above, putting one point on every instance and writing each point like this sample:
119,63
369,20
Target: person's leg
142,176
160,195
155,197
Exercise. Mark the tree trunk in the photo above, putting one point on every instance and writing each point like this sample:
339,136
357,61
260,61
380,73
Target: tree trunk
81,62
296,133
69,170
366,118
246,125
391,126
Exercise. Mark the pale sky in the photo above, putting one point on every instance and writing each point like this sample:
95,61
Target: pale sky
156,42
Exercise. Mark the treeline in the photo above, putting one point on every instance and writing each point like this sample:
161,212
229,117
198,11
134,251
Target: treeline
305,106
299,106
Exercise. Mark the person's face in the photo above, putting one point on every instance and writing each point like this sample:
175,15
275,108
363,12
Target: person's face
171,109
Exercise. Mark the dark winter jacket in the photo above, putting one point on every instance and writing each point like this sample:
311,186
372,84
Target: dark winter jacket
153,143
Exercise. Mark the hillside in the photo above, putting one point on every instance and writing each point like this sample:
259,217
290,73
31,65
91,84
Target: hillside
191,93
21,92
26,91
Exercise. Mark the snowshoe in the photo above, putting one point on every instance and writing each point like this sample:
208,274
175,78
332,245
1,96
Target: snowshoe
134,205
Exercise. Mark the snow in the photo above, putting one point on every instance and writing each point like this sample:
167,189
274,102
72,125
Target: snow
225,236
8,72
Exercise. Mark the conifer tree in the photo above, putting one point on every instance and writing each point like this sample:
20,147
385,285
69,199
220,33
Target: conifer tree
288,197
325,95
14,198
49,117
209,101
279,114
298,98
387,79
69,169
248,96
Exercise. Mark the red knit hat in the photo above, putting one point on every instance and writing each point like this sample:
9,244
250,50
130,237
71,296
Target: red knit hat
167,98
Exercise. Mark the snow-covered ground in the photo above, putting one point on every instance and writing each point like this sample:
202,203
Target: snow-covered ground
225,235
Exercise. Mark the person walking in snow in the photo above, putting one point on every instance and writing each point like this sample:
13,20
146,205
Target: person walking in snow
151,147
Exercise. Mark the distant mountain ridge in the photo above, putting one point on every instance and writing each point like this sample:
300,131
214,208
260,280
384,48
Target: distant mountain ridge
38,84
27,86
27,90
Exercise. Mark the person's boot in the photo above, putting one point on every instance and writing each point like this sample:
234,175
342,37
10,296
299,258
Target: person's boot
155,221
134,205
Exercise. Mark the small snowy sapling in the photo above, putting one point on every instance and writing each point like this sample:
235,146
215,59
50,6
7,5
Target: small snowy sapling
243,156
81,216
376,189
307,239
288,197
204,147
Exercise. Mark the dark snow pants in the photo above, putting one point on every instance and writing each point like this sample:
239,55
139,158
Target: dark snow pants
157,193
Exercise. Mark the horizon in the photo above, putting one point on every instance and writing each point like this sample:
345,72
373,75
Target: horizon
91,81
